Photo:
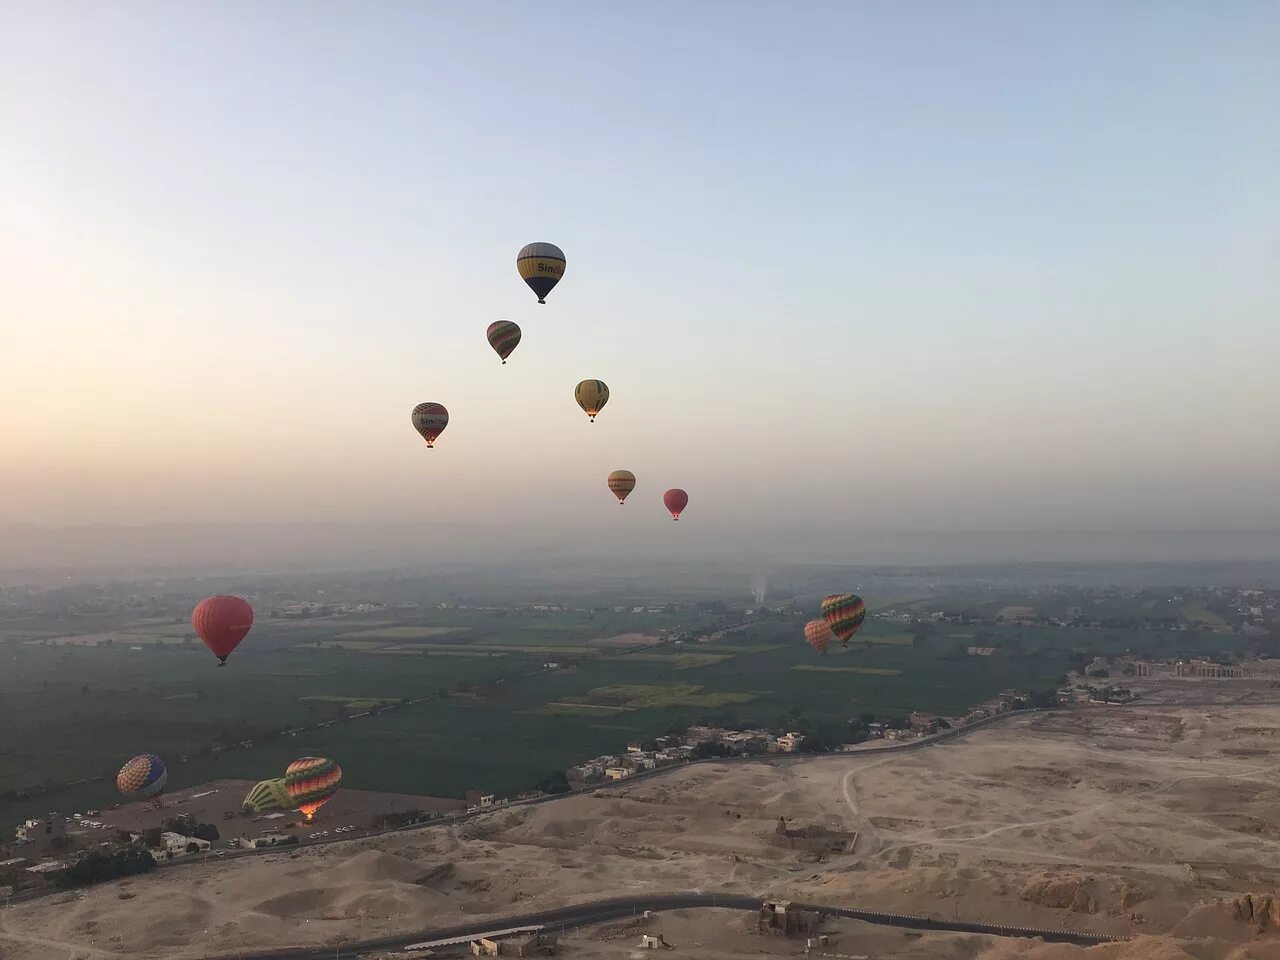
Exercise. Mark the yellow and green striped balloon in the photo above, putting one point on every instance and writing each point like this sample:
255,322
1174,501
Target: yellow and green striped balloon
541,266
267,795
591,395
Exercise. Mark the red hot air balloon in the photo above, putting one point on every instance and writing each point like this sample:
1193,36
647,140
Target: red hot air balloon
222,623
675,500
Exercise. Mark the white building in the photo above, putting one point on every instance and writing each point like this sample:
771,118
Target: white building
266,840
176,845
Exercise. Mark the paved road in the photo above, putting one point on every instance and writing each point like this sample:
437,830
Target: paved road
602,910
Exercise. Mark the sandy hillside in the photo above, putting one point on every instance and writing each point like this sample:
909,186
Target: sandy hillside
1155,823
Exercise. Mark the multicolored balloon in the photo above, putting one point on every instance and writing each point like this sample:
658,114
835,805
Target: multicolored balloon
844,613
143,776
311,783
541,266
591,395
266,796
430,419
222,622
503,336
818,634
621,483
675,500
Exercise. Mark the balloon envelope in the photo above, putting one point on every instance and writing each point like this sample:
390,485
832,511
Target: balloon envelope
503,336
844,613
541,266
675,500
591,395
621,483
143,776
311,782
818,634
430,419
266,796
221,622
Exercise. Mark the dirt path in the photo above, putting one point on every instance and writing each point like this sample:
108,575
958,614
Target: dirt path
74,951
869,840
934,837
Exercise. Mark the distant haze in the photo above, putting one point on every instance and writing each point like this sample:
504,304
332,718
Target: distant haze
260,548
849,269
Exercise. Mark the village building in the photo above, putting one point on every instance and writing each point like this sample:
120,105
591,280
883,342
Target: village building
779,918
518,945
789,742
923,723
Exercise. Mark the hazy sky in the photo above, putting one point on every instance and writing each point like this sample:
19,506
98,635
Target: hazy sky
975,265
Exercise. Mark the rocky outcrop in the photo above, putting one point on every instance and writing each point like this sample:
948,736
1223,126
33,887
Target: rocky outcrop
1260,910
1062,893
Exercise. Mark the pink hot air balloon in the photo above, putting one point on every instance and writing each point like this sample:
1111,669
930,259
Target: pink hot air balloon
675,500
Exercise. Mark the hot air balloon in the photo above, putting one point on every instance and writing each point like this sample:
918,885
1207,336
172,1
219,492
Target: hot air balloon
675,500
311,783
430,419
143,776
541,266
819,635
266,796
222,623
622,482
503,336
844,613
591,395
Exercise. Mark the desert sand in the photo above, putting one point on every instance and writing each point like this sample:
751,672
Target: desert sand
1158,823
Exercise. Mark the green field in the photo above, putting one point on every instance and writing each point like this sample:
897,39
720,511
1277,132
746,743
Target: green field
351,704
492,717
629,696
680,661
891,639
1198,614
399,633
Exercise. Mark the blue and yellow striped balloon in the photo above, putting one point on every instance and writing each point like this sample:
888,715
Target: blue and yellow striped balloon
541,266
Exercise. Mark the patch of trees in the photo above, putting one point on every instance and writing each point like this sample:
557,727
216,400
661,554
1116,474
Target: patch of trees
1042,699
96,867
403,818
186,826
818,743
554,782
709,749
